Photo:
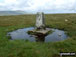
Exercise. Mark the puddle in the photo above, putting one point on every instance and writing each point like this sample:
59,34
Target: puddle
56,35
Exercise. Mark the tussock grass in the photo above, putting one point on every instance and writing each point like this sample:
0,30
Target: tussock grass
22,48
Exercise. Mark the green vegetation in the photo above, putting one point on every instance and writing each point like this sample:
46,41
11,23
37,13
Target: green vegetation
22,48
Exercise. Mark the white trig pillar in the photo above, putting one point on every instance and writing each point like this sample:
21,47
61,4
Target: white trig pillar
40,21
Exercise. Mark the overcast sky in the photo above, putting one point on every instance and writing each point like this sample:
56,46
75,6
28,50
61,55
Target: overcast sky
48,6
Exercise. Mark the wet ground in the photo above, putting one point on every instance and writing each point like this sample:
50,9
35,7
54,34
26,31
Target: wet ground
56,35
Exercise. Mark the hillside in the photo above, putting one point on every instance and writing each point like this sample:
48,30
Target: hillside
24,48
2,13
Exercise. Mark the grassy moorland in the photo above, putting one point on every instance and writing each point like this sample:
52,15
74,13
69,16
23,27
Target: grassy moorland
22,48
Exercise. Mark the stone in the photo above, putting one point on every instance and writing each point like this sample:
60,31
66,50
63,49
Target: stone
66,20
40,32
40,21
44,32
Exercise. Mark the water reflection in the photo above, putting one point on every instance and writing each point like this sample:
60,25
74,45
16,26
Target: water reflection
57,35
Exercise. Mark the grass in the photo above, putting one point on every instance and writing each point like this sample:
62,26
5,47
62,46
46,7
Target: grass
22,48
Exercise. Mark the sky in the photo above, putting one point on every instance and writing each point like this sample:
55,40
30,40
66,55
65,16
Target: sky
47,6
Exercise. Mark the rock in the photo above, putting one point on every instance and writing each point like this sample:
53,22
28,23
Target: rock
66,20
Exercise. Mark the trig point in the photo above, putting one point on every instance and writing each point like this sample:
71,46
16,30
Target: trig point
40,31
40,20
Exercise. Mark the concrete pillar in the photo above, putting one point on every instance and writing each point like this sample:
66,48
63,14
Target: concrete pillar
40,21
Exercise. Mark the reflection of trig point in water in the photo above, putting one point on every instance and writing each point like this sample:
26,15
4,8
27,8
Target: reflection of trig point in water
40,21
40,31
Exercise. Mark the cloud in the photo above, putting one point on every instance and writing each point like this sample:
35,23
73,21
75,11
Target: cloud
38,5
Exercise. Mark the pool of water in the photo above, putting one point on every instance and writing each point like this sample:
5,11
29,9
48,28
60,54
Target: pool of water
56,35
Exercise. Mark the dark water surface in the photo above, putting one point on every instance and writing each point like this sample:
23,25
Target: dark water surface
56,35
